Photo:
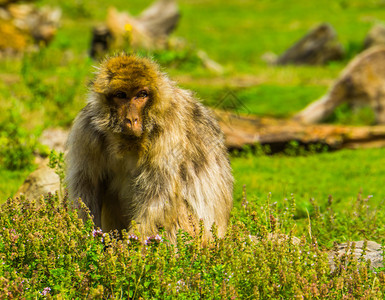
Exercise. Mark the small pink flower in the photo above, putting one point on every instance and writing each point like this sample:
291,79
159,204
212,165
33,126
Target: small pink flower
132,238
97,232
153,239
46,291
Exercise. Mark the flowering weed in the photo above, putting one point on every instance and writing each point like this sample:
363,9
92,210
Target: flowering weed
46,251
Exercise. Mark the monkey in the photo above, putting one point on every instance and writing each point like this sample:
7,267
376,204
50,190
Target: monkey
145,150
362,82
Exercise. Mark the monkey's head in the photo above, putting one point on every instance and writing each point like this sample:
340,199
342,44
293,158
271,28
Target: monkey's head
127,86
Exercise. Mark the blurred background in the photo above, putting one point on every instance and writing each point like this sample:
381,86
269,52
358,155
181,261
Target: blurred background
48,50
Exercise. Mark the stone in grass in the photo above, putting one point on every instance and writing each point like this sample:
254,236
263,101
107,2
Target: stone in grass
39,183
375,36
317,47
373,253
362,82
150,30
54,138
44,180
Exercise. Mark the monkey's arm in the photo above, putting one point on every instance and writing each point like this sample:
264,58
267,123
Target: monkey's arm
84,160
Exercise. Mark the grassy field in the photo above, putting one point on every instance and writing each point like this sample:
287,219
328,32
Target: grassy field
341,174
48,88
46,251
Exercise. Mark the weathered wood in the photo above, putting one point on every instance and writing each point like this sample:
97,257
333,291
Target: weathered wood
243,130
318,46
150,30
26,26
362,82
161,18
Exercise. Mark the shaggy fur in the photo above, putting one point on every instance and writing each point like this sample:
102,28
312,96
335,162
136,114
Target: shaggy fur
171,176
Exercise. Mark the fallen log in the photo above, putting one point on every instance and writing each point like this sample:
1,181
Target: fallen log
241,130
249,130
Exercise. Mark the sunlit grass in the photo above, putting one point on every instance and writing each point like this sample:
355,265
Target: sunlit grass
341,174
11,181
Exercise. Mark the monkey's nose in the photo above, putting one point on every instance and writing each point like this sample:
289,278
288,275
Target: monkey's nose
132,121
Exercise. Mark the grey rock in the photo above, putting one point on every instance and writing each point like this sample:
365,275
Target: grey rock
54,138
375,36
317,47
373,253
39,183
361,83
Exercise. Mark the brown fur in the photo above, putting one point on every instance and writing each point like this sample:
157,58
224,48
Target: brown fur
173,173
362,82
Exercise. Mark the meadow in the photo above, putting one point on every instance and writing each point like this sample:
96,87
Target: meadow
47,88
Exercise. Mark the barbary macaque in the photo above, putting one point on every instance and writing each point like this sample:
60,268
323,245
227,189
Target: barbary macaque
145,150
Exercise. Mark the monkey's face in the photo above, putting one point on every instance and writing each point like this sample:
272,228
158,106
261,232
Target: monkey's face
128,108
127,85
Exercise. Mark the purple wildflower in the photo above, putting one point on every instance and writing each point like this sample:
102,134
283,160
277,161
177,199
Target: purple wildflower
154,239
46,291
97,232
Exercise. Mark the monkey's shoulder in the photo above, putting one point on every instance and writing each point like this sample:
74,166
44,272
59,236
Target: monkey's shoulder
205,120
84,133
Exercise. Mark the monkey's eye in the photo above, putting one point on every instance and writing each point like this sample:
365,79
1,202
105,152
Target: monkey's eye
120,95
142,94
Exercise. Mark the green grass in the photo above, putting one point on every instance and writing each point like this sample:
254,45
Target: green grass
342,174
240,31
11,181
277,101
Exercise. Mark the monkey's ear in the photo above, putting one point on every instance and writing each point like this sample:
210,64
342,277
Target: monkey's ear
101,84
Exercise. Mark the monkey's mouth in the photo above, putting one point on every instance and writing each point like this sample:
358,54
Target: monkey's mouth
126,138
131,134
134,130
